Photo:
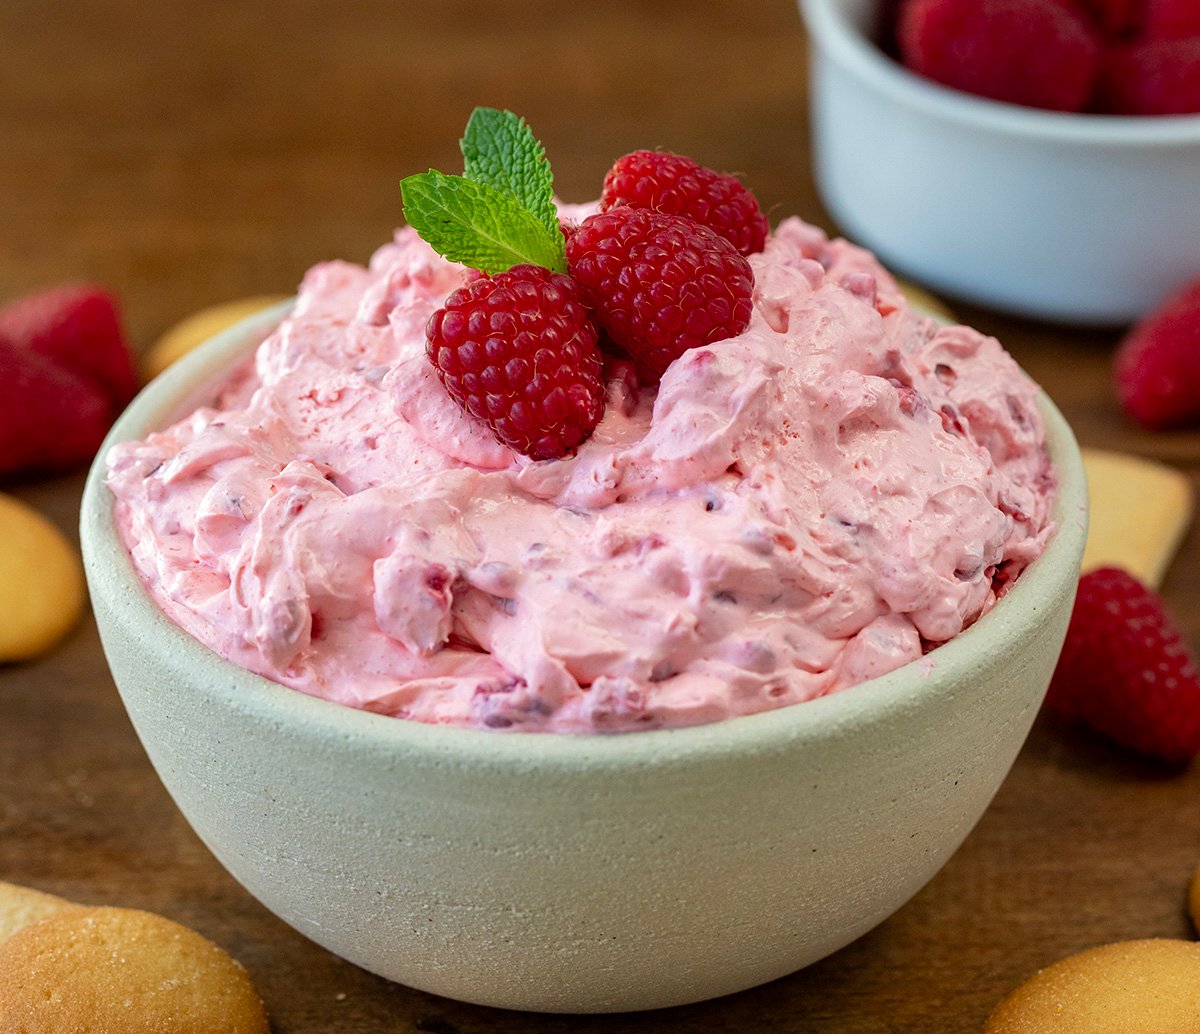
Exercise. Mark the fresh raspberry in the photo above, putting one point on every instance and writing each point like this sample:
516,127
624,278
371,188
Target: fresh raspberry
50,418
1172,19
677,185
1033,52
660,284
1125,671
1153,77
517,350
1157,366
78,328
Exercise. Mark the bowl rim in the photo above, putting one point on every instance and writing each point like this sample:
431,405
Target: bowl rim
113,581
832,31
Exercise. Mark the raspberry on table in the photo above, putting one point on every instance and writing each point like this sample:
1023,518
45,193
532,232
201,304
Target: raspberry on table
76,327
50,418
1125,671
1038,53
1157,366
1152,77
517,350
660,284
677,185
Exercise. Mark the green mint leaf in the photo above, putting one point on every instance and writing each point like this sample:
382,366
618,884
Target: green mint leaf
499,149
479,225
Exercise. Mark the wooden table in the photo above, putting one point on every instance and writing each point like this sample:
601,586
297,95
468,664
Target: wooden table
188,154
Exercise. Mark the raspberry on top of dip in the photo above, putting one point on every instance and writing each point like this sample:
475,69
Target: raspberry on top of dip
791,511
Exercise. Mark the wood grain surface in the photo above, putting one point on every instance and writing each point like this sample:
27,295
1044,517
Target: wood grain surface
187,154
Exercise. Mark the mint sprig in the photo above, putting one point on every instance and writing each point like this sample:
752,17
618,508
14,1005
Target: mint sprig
499,149
478,225
501,212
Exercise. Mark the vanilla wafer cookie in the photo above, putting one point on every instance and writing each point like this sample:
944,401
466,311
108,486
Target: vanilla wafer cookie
1138,513
41,582
1134,987
121,971
21,906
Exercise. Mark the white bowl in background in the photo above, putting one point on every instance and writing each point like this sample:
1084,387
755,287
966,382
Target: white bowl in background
571,873
1087,219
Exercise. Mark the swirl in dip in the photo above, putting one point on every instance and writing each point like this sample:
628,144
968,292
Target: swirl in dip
792,511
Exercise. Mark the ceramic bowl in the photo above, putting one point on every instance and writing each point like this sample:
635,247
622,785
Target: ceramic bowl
578,873
1086,219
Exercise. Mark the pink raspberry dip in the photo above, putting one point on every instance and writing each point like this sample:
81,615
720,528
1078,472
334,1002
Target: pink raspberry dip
792,511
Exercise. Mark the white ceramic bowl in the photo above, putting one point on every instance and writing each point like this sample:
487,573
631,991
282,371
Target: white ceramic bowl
578,873
1086,219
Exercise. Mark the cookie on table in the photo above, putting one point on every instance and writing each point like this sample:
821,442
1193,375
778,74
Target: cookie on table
1138,513
199,327
1134,987
122,970
41,582
20,906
